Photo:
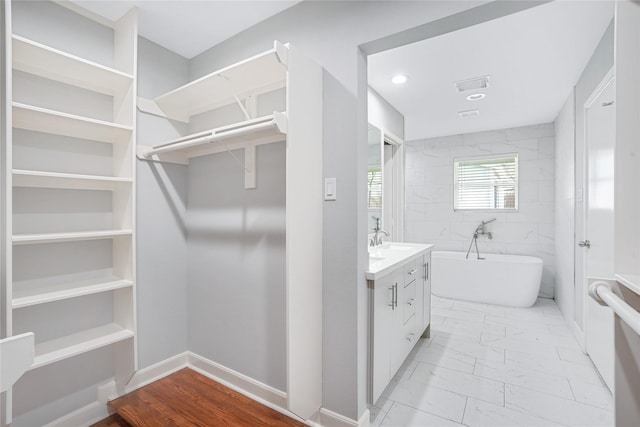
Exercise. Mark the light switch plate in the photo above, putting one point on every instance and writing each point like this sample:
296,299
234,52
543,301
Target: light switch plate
330,189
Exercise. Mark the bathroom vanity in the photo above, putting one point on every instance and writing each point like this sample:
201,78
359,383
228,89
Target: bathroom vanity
399,307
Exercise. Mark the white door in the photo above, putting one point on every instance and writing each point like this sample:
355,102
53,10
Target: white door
599,222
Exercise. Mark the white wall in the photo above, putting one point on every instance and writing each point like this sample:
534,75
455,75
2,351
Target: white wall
565,208
430,217
598,66
384,115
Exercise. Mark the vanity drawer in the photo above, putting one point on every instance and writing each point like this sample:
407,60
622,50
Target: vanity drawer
409,335
409,301
411,271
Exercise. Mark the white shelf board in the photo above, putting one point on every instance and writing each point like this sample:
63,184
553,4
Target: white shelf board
630,281
78,343
53,64
257,74
41,179
262,130
44,120
25,239
59,292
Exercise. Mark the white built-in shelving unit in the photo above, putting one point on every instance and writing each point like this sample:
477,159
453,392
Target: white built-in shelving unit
299,124
31,193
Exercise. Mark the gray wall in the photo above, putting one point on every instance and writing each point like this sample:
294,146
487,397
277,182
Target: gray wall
161,208
598,66
430,217
236,264
340,239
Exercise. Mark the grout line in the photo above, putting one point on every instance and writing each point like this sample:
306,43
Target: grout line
571,388
464,411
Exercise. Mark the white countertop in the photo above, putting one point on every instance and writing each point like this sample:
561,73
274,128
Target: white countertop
385,258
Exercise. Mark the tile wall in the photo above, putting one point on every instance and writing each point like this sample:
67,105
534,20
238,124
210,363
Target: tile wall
429,195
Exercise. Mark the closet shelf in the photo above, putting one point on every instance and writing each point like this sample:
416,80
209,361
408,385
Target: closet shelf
255,75
81,342
41,179
35,58
258,131
49,121
59,292
25,239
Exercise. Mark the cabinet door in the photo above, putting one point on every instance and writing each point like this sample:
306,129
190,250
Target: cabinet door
404,325
384,309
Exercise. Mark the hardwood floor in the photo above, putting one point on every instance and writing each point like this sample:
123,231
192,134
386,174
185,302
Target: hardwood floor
187,398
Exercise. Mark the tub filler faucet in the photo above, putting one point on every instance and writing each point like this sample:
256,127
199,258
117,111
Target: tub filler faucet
474,240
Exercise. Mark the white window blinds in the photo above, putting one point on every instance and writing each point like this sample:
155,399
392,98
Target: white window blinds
375,189
486,183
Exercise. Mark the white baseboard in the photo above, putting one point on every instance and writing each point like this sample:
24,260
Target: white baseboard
144,376
262,393
327,418
85,416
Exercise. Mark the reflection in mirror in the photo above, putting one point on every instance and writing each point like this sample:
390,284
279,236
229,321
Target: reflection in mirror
374,179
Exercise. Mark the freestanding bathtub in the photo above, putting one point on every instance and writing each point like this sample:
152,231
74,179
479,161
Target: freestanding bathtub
511,280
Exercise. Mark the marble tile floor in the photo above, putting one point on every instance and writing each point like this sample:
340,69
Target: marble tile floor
488,365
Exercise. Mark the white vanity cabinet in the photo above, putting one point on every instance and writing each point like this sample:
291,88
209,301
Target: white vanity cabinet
400,307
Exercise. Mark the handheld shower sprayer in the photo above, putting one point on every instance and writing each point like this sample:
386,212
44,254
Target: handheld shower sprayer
479,230
487,222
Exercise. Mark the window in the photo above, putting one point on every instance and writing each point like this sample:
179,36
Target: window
375,189
486,183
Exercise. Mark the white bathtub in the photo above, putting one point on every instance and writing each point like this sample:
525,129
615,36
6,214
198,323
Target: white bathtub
511,280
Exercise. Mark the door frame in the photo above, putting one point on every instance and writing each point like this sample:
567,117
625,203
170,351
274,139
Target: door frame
608,79
394,208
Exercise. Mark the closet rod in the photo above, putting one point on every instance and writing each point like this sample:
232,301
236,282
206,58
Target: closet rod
214,135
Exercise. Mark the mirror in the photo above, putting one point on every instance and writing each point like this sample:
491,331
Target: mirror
374,179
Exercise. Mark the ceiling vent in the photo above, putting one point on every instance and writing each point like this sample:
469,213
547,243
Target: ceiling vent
469,113
473,84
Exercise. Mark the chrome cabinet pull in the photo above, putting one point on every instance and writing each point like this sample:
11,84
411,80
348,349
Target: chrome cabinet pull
584,244
410,337
391,303
412,272
427,270
411,301
396,297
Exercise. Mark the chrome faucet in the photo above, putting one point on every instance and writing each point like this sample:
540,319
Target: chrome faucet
479,230
377,238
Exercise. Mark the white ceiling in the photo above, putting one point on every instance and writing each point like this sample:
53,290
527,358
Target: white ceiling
189,27
534,58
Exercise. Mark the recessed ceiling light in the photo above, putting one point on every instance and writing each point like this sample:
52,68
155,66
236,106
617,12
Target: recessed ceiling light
399,79
475,96
469,113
